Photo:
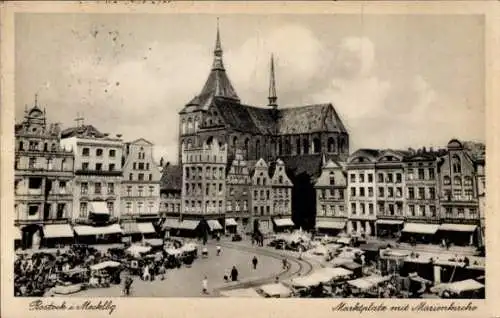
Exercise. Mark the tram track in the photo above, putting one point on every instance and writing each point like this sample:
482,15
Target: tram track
302,268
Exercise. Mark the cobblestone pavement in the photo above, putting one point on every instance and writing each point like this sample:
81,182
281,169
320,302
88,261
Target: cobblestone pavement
186,281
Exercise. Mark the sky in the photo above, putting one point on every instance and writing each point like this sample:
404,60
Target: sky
397,81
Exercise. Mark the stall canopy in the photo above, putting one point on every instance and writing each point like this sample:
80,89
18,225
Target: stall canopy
154,242
130,228
243,292
83,230
214,225
389,222
457,227
146,228
420,228
138,249
284,222
98,207
184,225
231,222
104,265
458,287
334,225
323,276
368,282
276,290
57,230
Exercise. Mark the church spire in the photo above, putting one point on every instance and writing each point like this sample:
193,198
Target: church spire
272,86
218,64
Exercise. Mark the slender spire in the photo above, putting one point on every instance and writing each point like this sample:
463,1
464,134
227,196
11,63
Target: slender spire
272,86
218,64
36,100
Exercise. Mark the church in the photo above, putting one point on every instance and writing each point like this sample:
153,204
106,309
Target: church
303,136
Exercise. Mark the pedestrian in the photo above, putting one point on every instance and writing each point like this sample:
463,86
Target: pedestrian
128,285
254,262
285,263
276,280
234,274
204,285
145,274
219,250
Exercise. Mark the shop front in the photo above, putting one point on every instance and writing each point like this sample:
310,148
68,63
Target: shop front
458,234
330,226
389,228
58,235
93,234
283,224
231,225
419,233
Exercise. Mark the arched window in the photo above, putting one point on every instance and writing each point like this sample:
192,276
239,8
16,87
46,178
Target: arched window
189,125
306,146
446,180
298,147
21,145
53,147
210,140
247,146
257,149
183,127
189,144
45,147
457,181
280,179
288,146
196,124
235,142
342,145
316,145
467,181
457,167
331,144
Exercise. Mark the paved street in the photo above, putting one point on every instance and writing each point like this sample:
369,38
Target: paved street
186,281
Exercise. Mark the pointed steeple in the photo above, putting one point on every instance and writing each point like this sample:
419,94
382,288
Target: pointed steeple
272,86
218,64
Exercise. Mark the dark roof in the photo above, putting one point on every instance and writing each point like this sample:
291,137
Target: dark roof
171,178
217,85
82,131
245,118
309,119
307,164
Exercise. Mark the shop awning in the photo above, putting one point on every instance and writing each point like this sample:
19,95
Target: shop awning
283,222
184,225
231,222
389,222
57,230
421,228
146,228
154,242
130,228
214,225
83,230
457,227
98,207
335,225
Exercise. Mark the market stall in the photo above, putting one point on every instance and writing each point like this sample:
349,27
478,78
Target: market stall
275,291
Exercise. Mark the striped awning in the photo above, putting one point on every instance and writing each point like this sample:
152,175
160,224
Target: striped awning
283,222
146,228
421,228
57,230
173,223
83,230
336,225
98,207
231,222
214,225
130,228
457,227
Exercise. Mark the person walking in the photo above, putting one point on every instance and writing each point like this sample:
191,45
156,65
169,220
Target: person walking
219,249
204,285
254,262
128,285
234,274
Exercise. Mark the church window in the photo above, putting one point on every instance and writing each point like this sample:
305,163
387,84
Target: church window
235,142
331,144
457,181
247,145
298,147
316,145
306,146
457,167
257,149
45,147
189,125
183,127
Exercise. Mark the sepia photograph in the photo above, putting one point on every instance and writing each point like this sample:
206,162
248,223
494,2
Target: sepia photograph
249,155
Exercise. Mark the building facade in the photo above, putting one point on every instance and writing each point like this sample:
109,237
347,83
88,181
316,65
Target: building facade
459,204
140,186
261,193
98,173
170,191
331,212
361,198
43,186
238,194
389,169
204,183
281,187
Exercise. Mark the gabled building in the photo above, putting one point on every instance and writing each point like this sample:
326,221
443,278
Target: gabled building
43,187
237,194
281,186
261,194
297,135
140,189
331,187
170,191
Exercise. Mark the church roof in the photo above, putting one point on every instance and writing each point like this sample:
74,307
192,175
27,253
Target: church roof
309,119
245,118
171,178
310,165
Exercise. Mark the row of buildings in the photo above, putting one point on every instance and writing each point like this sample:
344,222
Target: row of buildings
242,166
